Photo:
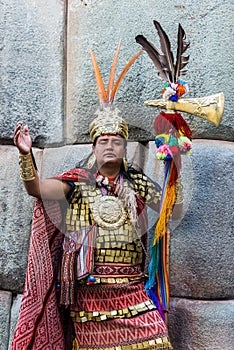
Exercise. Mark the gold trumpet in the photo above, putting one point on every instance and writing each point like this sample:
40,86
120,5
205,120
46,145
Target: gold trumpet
210,108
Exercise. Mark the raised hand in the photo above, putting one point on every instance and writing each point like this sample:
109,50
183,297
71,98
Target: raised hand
22,140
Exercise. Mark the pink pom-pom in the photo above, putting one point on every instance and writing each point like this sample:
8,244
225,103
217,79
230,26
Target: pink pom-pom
164,152
185,144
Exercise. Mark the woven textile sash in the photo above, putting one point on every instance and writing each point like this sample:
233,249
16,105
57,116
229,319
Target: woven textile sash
36,328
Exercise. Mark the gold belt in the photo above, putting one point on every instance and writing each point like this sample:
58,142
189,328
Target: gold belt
111,280
128,312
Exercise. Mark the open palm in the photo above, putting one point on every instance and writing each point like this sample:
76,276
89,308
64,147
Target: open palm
22,140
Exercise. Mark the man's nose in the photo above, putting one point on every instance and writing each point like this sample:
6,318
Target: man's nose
109,144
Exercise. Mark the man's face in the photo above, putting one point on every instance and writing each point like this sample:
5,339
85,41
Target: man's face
109,149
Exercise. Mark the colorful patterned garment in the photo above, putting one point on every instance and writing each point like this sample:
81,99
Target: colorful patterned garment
127,319
110,308
102,280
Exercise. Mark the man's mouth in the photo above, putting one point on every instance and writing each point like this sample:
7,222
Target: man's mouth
109,155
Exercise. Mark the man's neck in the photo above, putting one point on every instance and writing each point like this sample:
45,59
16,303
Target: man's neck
109,170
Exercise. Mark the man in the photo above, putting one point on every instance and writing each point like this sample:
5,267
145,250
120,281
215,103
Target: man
102,270
85,283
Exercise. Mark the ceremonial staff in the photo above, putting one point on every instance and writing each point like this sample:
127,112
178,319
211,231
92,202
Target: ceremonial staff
173,138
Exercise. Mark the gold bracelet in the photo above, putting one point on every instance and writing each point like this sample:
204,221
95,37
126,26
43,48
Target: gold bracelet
179,191
26,167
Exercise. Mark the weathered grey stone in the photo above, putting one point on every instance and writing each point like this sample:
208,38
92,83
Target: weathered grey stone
32,68
14,317
202,243
5,307
109,21
201,325
15,218
58,160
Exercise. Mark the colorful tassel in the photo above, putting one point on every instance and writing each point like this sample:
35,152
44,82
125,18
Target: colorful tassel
158,282
173,138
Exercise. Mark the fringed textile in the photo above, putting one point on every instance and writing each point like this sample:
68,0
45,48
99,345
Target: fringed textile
158,282
167,201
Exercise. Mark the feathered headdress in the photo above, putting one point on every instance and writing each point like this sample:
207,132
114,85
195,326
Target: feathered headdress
108,121
173,138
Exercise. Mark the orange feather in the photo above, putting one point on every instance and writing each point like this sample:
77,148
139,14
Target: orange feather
102,93
122,74
112,71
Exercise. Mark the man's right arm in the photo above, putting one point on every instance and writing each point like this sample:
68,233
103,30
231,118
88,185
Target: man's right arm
46,189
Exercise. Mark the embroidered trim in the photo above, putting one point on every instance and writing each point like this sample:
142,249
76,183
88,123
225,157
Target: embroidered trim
159,343
110,270
98,316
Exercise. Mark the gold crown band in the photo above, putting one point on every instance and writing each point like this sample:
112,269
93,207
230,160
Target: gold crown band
108,122
26,167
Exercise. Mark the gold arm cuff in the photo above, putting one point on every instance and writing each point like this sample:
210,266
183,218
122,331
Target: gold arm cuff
26,167
179,191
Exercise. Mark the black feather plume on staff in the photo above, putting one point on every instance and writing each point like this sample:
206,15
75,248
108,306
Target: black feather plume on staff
164,60
167,55
154,54
181,61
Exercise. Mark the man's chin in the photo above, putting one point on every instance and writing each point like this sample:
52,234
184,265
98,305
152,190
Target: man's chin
108,161
110,158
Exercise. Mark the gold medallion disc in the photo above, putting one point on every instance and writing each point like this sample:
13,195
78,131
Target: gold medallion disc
108,212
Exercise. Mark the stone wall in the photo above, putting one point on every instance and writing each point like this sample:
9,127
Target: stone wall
47,81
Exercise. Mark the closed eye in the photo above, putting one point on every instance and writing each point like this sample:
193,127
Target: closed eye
118,143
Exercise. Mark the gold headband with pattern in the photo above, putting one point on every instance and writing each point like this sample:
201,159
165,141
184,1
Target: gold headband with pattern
108,122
